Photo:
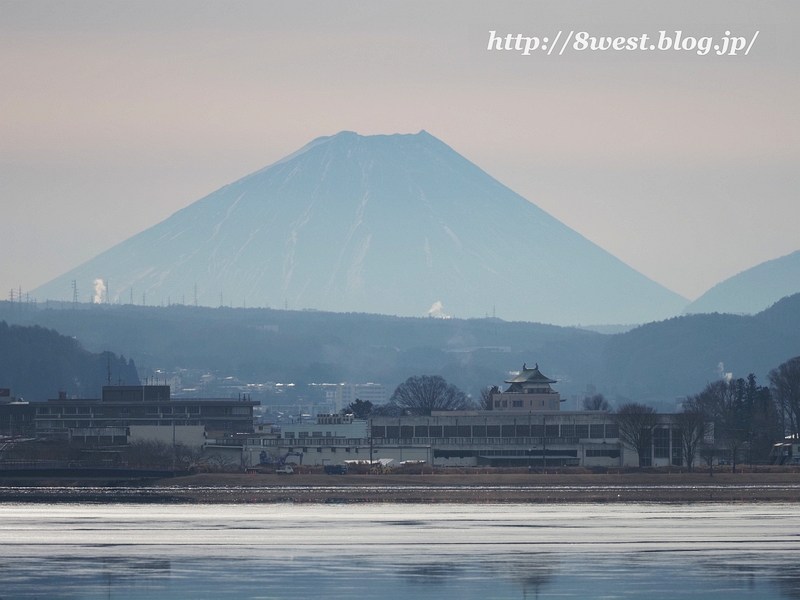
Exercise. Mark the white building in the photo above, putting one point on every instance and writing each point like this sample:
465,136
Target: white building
344,394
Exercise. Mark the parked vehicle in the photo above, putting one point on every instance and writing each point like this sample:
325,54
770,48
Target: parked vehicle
285,470
335,469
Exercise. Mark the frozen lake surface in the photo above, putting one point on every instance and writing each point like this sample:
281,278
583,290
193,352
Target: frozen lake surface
400,551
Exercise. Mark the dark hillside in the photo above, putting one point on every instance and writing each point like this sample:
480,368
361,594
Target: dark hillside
310,346
653,363
36,363
679,356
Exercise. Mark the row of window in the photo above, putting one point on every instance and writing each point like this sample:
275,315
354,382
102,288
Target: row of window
593,431
70,424
607,453
148,410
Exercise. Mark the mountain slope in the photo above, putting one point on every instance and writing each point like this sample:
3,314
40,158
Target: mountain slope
753,290
36,363
381,224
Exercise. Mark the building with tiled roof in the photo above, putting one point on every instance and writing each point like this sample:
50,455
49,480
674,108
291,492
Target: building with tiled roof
528,391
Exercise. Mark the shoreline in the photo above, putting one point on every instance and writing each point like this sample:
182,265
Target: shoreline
459,488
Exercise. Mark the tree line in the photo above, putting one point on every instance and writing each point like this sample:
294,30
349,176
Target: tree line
735,419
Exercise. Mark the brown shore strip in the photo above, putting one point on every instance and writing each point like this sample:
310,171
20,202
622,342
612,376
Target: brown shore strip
477,487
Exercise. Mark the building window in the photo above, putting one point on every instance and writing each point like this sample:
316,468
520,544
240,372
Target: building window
302,434
407,431
378,431
393,431
84,410
479,431
677,448
661,443
568,431
508,431
516,403
435,431
612,430
450,431
596,431
70,410
421,431
493,431
289,435
608,453
582,431
523,431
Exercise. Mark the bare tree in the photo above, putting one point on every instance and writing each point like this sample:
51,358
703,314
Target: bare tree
636,423
785,384
149,453
724,403
221,461
596,402
693,424
422,394
708,451
486,401
189,456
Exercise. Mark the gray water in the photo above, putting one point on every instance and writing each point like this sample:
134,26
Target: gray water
399,551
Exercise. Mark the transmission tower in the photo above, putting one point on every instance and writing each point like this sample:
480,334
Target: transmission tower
74,292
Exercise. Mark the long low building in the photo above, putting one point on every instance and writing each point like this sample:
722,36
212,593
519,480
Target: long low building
142,406
475,439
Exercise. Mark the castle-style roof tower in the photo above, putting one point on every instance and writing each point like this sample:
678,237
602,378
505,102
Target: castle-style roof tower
530,381
529,391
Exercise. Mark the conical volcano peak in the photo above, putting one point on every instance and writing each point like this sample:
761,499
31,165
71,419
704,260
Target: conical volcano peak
392,224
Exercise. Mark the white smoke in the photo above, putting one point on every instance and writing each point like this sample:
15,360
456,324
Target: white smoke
722,374
436,311
99,291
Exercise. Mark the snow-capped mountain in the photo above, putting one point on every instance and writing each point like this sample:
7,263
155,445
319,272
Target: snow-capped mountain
392,224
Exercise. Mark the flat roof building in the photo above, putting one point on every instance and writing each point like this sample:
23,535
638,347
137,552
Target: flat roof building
143,405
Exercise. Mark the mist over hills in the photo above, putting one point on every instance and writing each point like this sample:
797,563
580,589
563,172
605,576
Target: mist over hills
653,363
752,290
387,224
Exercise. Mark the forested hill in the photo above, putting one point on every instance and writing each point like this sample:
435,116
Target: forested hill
36,363
653,363
680,356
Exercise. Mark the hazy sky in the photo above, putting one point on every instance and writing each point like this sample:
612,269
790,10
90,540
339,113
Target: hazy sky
114,115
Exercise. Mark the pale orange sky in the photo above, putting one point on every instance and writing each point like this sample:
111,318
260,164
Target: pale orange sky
115,115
